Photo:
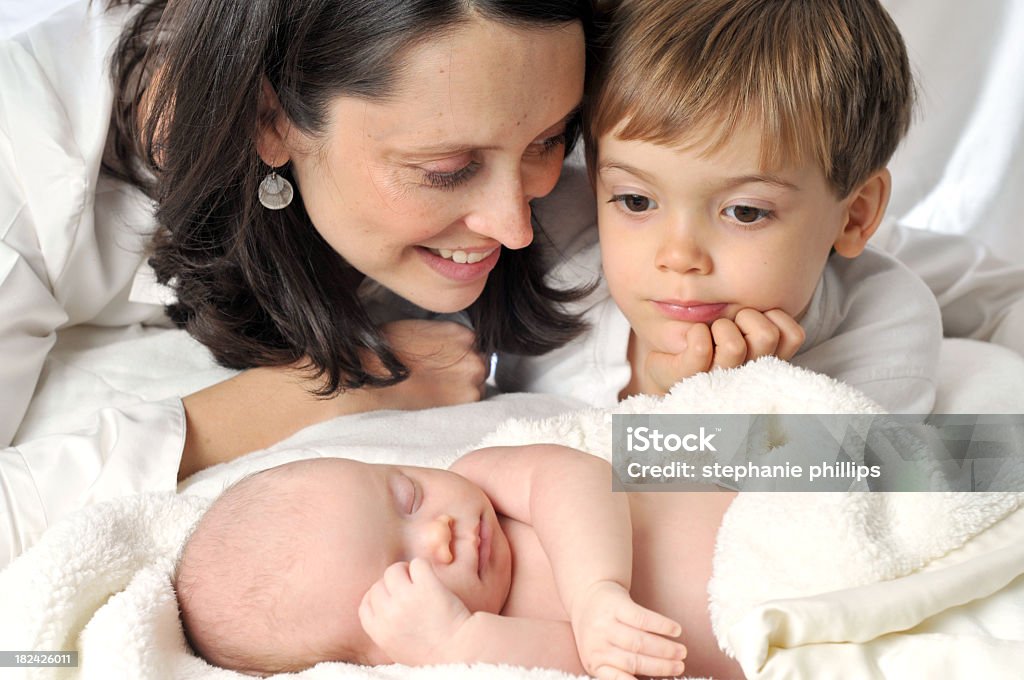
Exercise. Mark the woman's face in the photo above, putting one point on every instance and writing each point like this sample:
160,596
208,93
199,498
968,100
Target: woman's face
420,191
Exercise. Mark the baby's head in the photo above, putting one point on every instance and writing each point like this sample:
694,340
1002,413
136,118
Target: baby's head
734,143
272,576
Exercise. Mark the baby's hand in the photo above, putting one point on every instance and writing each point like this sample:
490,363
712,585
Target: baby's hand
726,344
410,614
616,638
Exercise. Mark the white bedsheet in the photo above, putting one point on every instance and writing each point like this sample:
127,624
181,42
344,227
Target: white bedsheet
99,582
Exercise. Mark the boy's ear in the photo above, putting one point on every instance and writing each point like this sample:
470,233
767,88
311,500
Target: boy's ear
273,128
864,212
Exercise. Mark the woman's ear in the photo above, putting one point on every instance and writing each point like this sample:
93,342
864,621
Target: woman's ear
273,128
864,212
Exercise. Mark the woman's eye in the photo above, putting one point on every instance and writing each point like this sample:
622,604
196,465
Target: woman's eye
450,180
634,203
747,214
546,146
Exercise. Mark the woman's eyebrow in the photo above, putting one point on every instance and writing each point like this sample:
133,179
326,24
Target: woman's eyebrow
454,147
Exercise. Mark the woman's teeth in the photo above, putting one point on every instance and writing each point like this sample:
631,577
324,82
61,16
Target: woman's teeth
461,256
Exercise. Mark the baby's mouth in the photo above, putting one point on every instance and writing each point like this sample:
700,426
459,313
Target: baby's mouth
484,549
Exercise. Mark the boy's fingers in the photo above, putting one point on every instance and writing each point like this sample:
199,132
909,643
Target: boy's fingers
791,333
730,347
699,346
665,370
761,335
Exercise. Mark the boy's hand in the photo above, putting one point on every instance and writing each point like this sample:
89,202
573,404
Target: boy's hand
726,344
410,614
616,638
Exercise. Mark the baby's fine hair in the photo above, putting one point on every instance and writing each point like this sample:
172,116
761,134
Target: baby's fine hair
828,81
236,578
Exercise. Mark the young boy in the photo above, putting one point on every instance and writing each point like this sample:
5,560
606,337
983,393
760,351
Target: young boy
494,561
738,152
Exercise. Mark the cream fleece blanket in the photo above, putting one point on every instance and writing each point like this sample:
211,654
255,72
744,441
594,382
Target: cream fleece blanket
806,585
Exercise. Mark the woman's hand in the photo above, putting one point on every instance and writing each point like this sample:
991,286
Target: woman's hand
616,638
444,367
725,344
262,406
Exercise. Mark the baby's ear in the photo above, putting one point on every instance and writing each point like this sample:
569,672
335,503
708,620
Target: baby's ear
865,208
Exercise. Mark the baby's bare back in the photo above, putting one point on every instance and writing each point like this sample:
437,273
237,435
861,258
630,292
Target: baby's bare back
673,542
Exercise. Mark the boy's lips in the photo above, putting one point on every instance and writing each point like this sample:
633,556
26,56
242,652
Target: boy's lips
694,311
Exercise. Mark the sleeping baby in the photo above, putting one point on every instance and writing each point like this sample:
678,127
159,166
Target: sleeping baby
496,561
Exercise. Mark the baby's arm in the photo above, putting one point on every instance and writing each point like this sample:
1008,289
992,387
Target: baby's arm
565,494
724,344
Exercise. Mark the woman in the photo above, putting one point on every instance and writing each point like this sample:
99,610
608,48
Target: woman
411,137
302,156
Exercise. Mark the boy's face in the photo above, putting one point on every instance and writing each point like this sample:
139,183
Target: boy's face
367,517
689,237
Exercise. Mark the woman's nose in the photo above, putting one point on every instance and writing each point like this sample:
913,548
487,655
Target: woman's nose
503,213
437,539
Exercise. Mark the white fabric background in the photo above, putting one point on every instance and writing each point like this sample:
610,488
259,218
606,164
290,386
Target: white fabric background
961,168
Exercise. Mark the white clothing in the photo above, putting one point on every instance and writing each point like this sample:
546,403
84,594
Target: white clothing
71,241
71,252
871,323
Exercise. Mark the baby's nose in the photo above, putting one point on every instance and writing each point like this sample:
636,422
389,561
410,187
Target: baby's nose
439,539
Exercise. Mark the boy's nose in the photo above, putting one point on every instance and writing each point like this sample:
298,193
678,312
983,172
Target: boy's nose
682,252
438,540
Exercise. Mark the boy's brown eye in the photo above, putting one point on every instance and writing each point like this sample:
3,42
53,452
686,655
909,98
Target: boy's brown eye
634,202
744,213
747,214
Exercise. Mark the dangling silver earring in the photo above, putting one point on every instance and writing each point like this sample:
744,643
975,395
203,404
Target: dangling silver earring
275,192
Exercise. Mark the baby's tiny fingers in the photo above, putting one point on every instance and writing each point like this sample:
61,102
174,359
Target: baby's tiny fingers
612,673
648,644
420,571
396,576
638,664
642,618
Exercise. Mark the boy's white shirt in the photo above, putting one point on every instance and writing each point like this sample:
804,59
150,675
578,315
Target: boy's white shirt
871,323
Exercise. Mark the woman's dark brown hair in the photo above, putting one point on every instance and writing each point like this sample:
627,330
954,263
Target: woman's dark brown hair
261,287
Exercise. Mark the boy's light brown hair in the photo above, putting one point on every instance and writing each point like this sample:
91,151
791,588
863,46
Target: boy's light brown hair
827,81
